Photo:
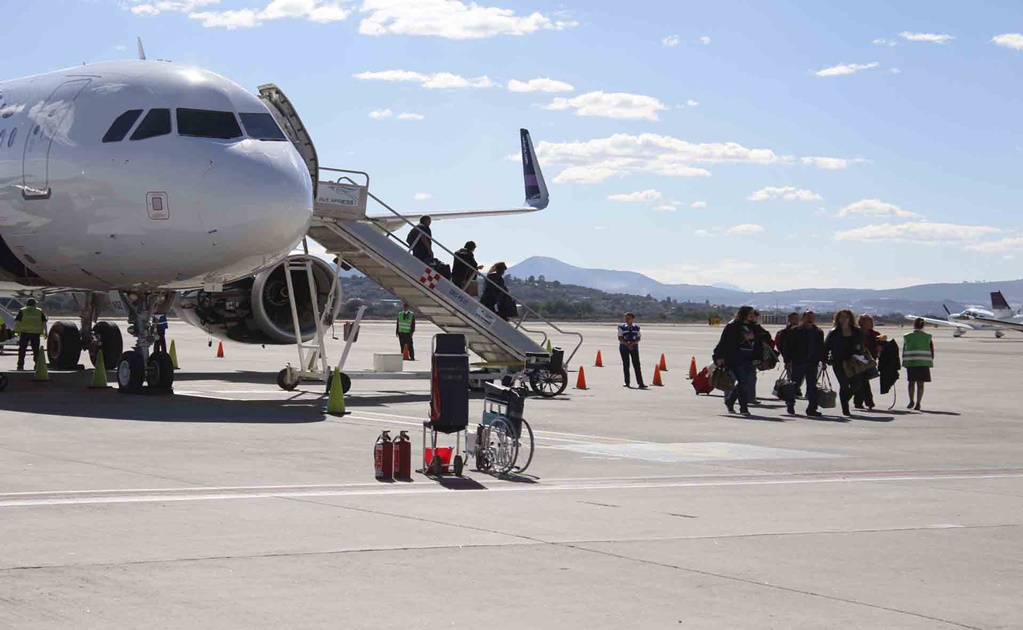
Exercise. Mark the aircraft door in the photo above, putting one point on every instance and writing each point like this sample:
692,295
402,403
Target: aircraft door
49,121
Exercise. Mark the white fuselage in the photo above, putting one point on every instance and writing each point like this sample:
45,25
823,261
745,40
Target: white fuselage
167,211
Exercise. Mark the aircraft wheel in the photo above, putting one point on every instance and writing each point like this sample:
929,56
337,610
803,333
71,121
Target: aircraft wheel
160,374
131,373
285,382
346,383
999,334
63,346
110,342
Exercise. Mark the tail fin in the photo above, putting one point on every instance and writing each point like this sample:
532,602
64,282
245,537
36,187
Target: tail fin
998,302
536,189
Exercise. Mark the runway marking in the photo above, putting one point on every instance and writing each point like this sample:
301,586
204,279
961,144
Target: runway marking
95,497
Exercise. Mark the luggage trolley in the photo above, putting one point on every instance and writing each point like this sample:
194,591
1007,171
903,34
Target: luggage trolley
503,438
449,403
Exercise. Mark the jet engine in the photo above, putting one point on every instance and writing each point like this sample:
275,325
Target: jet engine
257,309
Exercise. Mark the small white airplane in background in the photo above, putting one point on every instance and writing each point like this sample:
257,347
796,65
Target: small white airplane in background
1000,318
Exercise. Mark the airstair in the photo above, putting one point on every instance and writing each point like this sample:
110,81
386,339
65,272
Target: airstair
371,245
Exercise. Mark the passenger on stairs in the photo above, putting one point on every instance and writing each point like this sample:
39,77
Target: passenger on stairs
465,269
495,293
420,239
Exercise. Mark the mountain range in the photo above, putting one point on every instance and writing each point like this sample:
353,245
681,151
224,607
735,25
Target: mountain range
924,298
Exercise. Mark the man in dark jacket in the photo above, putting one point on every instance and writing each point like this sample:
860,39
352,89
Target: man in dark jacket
420,239
803,351
463,273
735,351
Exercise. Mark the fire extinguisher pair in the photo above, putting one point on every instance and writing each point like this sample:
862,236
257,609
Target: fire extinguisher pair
392,459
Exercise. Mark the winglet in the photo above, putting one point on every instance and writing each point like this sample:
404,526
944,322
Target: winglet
536,189
142,51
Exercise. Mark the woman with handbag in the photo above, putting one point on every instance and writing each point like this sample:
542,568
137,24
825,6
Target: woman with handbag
864,396
495,294
846,351
735,351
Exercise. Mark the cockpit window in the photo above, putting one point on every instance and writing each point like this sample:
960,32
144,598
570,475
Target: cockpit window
262,127
156,123
204,123
122,125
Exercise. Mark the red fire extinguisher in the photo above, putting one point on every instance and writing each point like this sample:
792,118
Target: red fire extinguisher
383,457
402,456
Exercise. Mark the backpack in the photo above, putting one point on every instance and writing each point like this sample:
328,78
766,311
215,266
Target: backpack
702,382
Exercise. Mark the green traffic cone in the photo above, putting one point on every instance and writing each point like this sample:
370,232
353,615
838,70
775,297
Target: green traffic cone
99,373
173,355
336,400
42,371
550,350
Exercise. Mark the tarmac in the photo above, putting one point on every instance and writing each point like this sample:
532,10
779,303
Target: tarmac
232,504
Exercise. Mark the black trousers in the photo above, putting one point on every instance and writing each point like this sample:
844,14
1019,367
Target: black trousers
405,339
847,387
864,395
160,344
24,341
634,356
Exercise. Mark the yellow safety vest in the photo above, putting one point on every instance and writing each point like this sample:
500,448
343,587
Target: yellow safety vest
405,320
31,321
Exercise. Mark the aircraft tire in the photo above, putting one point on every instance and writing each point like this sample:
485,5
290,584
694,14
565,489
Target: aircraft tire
63,346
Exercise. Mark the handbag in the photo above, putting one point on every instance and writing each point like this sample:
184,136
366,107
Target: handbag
769,358
722,379
854,367
785,387
827,398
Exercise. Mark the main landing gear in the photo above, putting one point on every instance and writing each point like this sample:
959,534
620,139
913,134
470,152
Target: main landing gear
66,340
137,368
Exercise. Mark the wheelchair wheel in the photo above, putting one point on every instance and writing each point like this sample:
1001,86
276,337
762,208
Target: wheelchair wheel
525,446
547,383
503,447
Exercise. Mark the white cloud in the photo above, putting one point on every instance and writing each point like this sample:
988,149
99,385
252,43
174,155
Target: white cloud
410,116
876,208
231,20
698,205
593,161
322,11
885,42
785,193
1014,244
745,229
168,6
894,71
611,105
845,68
643,195
830,163
692,103
423,196
450,19
539,85
671,41
667,207
931,38
379,114
917,232
702,233
1009,40
705,40
437,81
120,48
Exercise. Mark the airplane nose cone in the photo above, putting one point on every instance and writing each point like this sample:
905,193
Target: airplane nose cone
258,205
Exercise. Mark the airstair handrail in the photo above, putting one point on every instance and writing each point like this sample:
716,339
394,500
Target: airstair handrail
454,256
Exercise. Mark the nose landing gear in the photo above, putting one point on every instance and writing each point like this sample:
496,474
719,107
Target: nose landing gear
140,367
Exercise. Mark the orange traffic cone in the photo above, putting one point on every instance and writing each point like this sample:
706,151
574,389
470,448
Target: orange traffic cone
220,350
657,377
404,353
600,360
664,364
580,382
692,369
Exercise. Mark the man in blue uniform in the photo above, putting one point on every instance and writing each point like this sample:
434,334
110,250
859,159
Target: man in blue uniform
628,346
160,345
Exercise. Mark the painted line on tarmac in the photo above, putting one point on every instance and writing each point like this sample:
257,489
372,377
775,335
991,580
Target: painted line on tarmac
102,497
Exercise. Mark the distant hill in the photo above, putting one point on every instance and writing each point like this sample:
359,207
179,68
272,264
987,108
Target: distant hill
920,299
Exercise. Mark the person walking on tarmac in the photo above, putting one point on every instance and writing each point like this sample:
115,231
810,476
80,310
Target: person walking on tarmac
30,324
918,357
803,349
735,351
628,345
405,328
160,345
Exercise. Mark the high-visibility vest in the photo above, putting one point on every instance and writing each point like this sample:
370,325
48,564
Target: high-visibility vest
916,349
31,321
405,319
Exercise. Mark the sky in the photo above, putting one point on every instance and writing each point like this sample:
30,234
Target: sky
767,145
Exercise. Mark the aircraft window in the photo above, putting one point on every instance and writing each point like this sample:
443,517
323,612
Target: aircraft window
262,127
204,123
122,125
156,123
10,139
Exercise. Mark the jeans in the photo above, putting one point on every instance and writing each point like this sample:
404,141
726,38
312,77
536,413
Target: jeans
405,339
805,372
744,375
23,342
632,354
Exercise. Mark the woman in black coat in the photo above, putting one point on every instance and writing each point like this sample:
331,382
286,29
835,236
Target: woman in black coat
843,343
495,293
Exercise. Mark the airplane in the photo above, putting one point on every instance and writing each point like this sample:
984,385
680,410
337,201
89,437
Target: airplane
1000,318
129,182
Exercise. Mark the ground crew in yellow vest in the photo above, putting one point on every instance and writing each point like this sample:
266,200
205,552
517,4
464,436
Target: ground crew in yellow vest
405,328
30,324
918,357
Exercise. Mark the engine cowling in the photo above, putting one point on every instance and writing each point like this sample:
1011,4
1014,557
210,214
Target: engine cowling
257,309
